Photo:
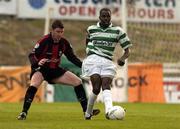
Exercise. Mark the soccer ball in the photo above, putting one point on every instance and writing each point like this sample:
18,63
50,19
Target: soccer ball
116,113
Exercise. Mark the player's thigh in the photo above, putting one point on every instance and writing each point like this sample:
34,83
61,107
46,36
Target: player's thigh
91,65
36,79
108,69
68,78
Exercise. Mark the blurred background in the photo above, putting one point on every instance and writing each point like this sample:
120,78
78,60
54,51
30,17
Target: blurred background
151,74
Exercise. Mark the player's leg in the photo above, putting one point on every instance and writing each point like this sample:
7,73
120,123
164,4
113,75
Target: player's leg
91,68
71,79
107,96
35,82
81,96
108,72
96,86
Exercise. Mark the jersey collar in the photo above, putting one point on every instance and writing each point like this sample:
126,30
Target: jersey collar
98,25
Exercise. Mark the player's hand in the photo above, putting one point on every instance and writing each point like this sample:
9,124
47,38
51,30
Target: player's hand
120,62
42,61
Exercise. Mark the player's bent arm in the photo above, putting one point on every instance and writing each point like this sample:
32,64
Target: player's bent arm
69,53
37,50
33,60
121,61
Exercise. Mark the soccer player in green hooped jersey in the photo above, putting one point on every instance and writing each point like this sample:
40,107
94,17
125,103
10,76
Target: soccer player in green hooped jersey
100,44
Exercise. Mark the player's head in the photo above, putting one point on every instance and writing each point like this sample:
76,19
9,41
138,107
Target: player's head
105,17
57,30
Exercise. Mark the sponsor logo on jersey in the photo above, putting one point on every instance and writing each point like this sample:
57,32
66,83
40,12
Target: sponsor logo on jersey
102,43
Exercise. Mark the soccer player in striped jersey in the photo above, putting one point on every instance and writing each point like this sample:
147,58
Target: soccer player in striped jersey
100,44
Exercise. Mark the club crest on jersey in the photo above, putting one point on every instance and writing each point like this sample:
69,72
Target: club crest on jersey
37,45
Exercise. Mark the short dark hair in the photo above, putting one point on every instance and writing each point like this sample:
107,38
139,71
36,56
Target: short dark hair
57,24
104,9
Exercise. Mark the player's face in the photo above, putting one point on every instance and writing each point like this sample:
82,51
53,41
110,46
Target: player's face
57,34
105,18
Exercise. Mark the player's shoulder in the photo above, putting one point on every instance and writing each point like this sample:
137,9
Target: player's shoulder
118,28
65,41
43,39
92,27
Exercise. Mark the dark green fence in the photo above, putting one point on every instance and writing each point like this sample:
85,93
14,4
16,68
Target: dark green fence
66,93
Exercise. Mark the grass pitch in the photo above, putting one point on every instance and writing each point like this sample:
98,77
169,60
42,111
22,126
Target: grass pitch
70,116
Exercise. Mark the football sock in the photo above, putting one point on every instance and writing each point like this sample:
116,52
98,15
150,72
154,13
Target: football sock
107,98
91,101
81,96
30,93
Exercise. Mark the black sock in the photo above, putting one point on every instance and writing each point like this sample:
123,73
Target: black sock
30,93
81,96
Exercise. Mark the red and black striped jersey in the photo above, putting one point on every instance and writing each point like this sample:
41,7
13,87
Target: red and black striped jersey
46,48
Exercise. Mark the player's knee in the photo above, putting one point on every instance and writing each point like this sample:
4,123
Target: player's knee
96,91
35,83
77,82
106,87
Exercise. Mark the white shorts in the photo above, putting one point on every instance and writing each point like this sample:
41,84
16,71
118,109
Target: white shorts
95,64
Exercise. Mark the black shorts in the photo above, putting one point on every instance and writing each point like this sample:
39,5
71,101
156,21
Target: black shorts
49,74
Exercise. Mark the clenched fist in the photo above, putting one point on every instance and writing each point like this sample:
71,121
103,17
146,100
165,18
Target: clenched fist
120,62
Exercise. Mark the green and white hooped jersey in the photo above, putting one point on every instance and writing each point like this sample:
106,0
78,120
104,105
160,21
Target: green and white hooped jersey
102,42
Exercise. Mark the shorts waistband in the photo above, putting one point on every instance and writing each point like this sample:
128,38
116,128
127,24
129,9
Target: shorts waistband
91,53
